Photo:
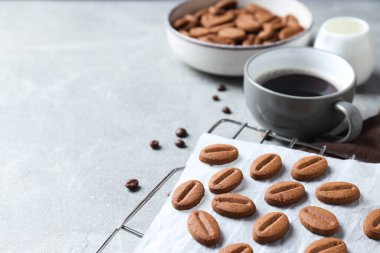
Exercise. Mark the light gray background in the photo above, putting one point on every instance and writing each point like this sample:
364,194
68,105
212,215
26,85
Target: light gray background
84,87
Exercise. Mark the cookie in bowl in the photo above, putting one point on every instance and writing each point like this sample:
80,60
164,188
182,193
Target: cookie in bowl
226,23
218,37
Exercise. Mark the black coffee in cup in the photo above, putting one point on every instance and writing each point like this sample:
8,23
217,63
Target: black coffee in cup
322,85
301,84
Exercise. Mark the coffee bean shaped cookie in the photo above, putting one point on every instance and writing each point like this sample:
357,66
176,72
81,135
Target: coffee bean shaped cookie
186,22
213,38
265,166
247,23
277,24
337,193
264,16
199,13
226,4
253,19
254,8
249,40
216,29
218,154
222,6
197,32
233,205
327,245
289,31
187,195
237,248
270,227
309,168
232,33
290,20
203,228
225,180
284,193
209,20
318,220
267,32
371,225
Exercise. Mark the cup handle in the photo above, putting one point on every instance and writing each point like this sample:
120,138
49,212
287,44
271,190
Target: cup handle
354,120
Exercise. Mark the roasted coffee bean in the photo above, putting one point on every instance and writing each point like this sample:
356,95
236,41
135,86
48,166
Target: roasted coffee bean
225,180
180,143
132,184
284,193
270,227
371,225
318,220
337,193
309,168
327,245
218,154
187,195
181,132
233,205
265,166
154,144
215,98
237,248
226,110
203,228
222,87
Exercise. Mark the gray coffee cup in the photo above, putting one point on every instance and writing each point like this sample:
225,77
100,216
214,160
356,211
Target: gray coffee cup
303,117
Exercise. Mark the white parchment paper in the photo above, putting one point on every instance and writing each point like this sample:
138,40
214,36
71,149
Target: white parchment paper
168,232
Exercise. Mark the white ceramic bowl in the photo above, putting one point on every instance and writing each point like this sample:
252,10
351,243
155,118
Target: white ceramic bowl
229,60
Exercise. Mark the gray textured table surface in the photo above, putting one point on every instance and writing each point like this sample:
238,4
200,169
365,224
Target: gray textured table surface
84,87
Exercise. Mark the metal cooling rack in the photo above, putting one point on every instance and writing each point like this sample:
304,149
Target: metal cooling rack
266,135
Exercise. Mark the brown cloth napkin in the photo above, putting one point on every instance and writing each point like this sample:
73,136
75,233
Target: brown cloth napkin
366,147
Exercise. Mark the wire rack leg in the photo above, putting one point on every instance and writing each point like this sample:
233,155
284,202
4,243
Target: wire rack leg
137,209
104,245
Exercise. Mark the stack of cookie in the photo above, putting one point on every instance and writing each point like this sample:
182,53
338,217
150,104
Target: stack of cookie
224,23
272,226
